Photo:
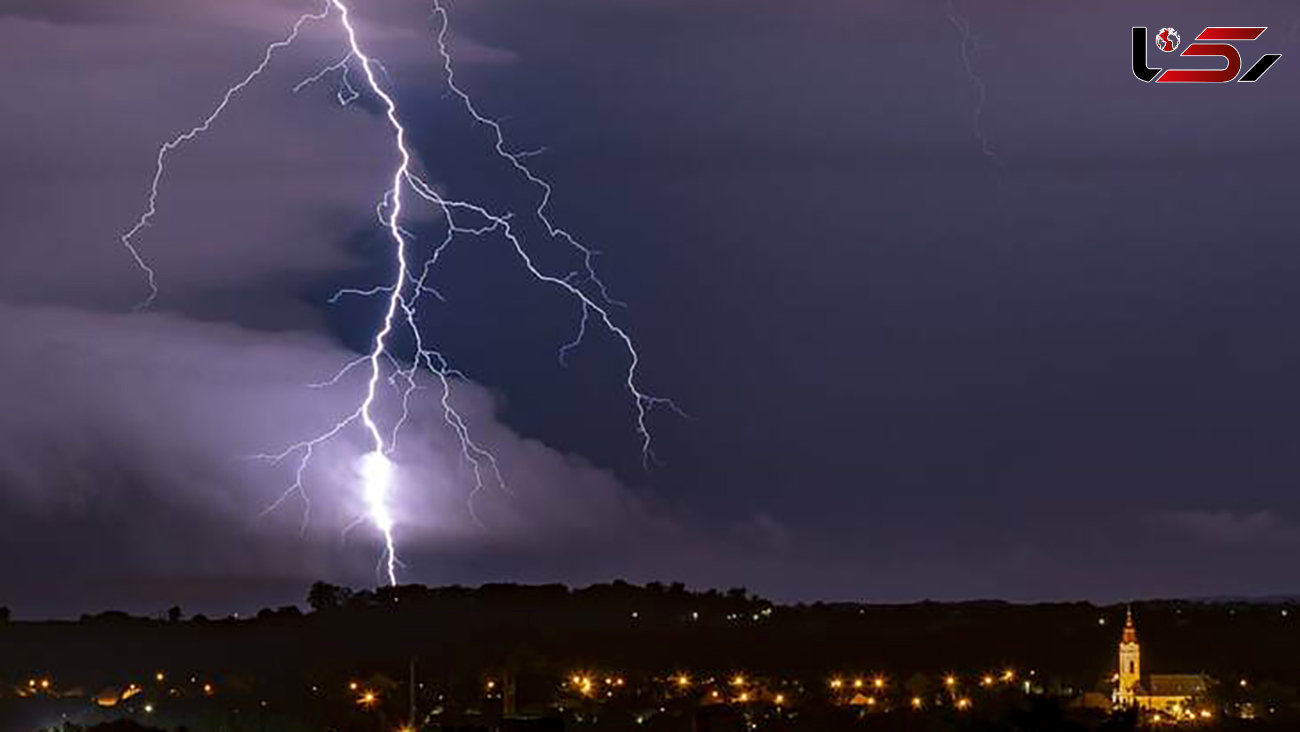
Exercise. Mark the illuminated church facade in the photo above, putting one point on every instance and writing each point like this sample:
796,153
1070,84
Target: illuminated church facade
1172,694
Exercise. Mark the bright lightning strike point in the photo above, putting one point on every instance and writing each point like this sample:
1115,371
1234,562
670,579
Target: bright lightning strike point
377,486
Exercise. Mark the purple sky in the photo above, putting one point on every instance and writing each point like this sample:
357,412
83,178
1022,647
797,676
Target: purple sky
911,371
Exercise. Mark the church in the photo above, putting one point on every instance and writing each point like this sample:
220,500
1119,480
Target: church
1172,694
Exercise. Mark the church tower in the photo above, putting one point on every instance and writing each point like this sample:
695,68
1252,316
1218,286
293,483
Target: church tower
1130,663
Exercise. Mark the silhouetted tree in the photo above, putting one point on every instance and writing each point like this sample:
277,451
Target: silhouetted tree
4,615
174,614
324,596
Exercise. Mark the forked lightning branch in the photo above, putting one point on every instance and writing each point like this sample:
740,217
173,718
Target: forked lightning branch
403,294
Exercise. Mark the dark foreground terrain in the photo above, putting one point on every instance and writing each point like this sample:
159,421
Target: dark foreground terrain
621,657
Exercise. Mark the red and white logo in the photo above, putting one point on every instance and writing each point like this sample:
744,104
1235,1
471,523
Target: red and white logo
1168,40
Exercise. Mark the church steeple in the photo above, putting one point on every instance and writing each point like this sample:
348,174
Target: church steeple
1130,662
1130,630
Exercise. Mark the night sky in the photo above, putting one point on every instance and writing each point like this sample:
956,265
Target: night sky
912,370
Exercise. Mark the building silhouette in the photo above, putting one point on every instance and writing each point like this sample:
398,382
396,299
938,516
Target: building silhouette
1173,694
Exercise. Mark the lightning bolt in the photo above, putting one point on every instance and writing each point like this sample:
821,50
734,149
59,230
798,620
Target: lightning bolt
171,146
981,92
403,294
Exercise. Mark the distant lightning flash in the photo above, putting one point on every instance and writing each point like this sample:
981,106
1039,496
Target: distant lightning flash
981,92
404,293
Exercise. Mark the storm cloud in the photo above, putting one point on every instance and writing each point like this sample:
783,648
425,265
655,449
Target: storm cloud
127,436
910,372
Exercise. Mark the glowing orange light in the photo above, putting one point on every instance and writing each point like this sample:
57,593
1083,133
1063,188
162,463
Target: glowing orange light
916,702
836,683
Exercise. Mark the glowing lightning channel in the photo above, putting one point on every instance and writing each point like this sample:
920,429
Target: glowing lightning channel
377,468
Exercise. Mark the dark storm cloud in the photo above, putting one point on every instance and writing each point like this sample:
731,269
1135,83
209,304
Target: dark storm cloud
932,369
72,12
135,432
110,12
911,373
